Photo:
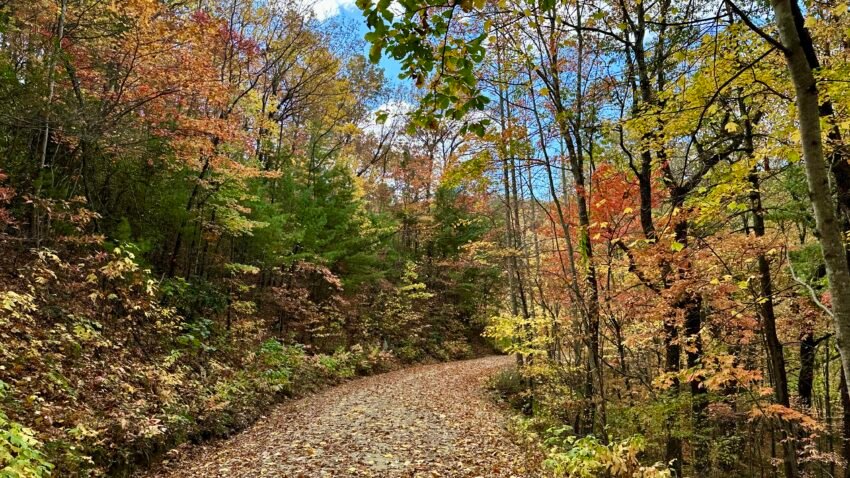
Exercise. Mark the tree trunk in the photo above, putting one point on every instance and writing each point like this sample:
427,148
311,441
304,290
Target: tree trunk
691,305
766,312
807,368
829,231
845,423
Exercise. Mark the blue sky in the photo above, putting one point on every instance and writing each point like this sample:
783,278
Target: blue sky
346,11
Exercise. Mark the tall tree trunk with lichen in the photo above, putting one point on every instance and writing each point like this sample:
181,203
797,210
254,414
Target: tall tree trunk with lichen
829,230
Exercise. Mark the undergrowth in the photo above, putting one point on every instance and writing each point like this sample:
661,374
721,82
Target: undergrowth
566,454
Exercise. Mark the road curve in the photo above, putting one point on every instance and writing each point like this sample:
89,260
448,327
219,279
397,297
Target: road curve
426,421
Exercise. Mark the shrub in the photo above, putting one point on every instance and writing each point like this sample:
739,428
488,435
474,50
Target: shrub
279,361
457,349
510,385
338,365
588,457
372,359
572,456
20,451
408,353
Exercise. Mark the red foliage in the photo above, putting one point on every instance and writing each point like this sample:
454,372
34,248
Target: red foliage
6,195
614,205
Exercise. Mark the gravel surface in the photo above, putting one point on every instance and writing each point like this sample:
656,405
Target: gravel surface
425,421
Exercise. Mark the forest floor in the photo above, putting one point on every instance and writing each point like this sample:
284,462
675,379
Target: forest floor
426,421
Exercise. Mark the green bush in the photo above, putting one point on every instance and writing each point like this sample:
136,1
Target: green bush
339,365
408,353
279,361
20,451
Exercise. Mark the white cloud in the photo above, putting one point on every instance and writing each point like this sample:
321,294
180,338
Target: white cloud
396,8
324,9
396,111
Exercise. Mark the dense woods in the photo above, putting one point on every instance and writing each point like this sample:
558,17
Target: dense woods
673,179
208,206
201,214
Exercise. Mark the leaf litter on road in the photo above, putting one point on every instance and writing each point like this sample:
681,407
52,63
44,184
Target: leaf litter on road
422,422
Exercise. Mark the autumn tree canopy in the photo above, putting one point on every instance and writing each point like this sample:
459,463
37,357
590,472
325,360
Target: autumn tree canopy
673,180
207,206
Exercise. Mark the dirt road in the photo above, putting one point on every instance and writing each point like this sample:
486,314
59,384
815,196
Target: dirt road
426,421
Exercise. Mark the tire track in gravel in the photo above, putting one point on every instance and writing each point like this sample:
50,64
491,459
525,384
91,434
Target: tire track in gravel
425,421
